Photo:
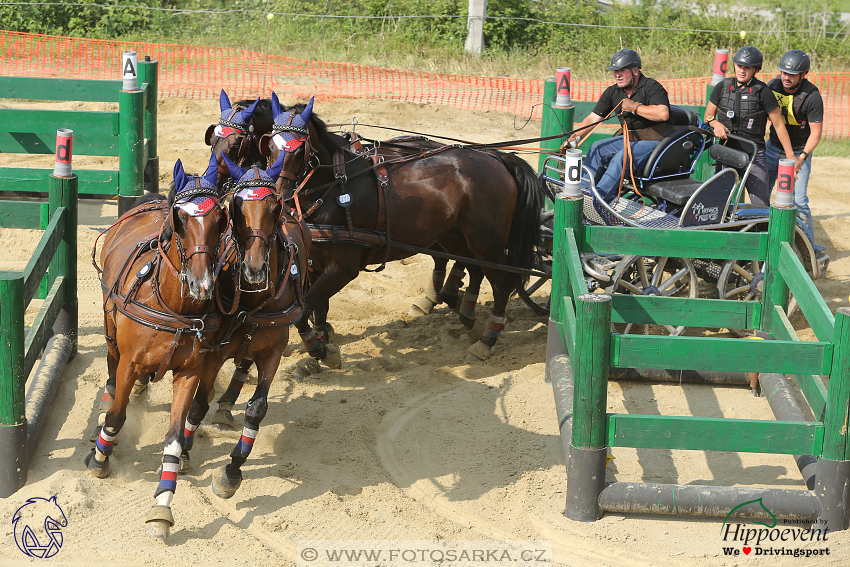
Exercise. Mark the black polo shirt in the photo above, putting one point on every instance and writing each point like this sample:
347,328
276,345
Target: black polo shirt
811,110
647,91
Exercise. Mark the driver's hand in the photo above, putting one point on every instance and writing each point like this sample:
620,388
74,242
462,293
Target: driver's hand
629,105
719,129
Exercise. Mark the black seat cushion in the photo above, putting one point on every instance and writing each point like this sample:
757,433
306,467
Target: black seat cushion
677,191
683,116
674,154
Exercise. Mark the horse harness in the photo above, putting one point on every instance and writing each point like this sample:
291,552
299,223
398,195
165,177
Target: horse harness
166,320
291,268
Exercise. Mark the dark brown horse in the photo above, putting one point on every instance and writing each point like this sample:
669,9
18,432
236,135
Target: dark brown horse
468,201
260,295
158,278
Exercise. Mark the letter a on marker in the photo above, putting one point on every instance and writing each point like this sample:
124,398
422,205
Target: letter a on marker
128,67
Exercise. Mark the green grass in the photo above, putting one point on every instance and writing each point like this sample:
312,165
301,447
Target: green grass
833,148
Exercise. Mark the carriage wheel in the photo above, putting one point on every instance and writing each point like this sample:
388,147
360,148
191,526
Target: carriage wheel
535,293
643,275
743,280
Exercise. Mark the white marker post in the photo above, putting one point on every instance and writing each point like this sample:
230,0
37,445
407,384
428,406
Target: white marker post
572,173
785,183
64,152
130,69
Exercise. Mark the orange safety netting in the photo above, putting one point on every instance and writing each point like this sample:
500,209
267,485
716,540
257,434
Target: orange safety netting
191,71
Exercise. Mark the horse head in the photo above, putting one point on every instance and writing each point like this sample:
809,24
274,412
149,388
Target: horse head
255,210
290,135
232,136
196,219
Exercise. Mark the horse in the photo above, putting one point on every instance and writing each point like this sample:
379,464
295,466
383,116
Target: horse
234,134
260,294
473,202
158,278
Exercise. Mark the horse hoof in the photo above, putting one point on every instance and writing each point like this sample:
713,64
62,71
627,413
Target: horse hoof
333,358
223,485
420,307
185,464
224,419
306,367
476,332
140,390
159,521
95,467
478,353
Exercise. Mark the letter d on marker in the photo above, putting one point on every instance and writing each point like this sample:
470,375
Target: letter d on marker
572,173
64,152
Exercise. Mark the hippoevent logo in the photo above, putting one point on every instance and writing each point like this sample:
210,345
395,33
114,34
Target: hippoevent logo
38,527
774,537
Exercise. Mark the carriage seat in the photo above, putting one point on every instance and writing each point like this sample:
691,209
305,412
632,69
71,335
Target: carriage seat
675,155
676,191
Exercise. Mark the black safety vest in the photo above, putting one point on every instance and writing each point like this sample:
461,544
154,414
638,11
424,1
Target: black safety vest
748,116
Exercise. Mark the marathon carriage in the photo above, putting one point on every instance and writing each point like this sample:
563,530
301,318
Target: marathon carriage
664,195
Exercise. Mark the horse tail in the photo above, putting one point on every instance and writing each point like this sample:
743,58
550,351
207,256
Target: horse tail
525,227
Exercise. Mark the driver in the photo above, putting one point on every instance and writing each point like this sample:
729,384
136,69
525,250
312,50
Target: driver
741,105
646,111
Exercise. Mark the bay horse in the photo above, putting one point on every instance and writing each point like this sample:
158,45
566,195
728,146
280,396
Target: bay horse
260,294
158,278
233,136
473,202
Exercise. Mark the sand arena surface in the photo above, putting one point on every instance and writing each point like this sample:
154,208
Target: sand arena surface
406,441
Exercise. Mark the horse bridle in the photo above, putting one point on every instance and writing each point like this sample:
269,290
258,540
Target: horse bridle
246,137
308,149
183,254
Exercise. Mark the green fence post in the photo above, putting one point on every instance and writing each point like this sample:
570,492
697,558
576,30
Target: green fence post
833,476
780,229
556,120
131,168
568,216
43,221
13,419
590,362
63,193
149,73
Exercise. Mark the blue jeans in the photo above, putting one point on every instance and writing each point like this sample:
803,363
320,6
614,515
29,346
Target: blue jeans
605,160
801,199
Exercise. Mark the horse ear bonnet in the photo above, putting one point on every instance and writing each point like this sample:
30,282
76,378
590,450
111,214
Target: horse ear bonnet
289,135
194,194
233,120
255,184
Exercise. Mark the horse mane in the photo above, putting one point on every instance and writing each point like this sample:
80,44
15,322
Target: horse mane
264,107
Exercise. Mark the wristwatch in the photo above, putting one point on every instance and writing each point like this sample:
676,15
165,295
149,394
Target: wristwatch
805,153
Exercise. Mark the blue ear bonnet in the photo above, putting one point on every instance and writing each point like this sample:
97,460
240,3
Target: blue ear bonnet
233,117
289,134
196,194
254,183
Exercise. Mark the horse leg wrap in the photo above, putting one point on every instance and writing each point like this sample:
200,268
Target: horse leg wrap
467,310
424,305
168,476
106,402
104,443
325,332
246,442
449,294
494,329
315,345
189,435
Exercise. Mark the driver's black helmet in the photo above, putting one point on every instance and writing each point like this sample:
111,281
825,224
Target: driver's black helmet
749,56
795,62
624,58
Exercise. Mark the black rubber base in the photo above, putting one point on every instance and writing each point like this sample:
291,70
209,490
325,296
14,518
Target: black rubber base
585,481
15,460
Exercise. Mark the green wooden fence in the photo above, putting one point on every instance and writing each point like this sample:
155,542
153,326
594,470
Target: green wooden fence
583,322
55,259
129,134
